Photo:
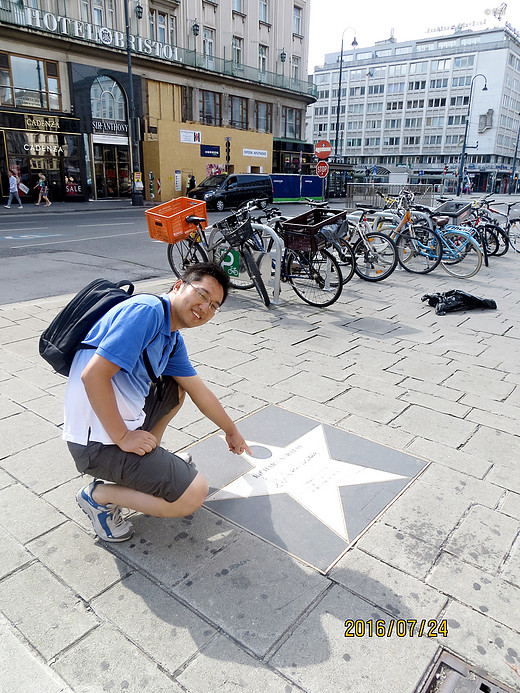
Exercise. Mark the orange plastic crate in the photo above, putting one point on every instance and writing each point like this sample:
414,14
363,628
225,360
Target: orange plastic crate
167,221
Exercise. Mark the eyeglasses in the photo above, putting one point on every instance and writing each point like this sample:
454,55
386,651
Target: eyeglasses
214,307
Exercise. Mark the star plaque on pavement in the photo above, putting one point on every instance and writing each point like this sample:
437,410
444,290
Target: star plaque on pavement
308,488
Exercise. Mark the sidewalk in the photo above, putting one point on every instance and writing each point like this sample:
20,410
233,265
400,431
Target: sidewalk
199,604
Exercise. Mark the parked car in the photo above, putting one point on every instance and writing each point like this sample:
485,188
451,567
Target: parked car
230,190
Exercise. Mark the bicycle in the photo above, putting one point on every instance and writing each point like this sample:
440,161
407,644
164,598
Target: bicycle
510,235
231,250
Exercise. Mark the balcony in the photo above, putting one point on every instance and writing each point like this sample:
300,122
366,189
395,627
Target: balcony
14,12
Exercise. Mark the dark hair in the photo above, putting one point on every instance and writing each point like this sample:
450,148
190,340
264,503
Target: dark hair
207,269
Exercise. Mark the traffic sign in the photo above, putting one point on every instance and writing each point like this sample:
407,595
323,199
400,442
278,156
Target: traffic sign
322,168
323,149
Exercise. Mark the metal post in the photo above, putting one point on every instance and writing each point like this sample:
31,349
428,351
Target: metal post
463,153
137,195
514,163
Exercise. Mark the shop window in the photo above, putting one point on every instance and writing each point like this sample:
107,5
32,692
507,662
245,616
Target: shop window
29,83
238,112
107,99
210,112
291,123
263,116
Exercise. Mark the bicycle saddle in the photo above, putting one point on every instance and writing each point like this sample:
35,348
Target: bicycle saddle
441,221
192,219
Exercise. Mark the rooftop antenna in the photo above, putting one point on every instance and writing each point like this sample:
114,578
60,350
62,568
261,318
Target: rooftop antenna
498,12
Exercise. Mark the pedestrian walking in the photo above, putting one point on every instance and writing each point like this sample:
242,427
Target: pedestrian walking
191,183
114,418
44,190
13,190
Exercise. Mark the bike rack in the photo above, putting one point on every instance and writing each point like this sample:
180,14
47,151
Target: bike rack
278,251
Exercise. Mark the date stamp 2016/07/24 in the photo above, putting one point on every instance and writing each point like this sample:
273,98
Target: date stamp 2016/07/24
400,628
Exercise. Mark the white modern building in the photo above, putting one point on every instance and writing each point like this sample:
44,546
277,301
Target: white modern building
405,105
217,85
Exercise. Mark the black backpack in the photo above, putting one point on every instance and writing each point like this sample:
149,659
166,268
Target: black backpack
60,341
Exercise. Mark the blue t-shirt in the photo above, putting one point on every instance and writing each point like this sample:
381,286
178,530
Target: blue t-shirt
121,337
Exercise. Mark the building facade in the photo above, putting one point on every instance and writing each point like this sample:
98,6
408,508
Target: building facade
216,86
406,104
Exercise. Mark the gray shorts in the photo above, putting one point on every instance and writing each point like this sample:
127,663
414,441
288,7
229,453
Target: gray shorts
158,473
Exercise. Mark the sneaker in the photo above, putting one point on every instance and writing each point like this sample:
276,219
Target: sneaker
106,519
7,206
20,207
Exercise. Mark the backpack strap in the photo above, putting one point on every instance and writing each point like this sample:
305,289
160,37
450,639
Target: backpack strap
158,380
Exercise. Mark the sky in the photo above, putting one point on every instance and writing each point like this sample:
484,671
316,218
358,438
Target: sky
373,20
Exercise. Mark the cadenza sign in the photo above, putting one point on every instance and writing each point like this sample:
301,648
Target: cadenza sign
74,28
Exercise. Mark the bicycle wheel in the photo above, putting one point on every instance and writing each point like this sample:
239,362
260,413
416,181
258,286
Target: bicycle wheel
489,239
419,252
254,273
342,252
315,277
376,257
461,255
183,254
503,240
514,235
232,262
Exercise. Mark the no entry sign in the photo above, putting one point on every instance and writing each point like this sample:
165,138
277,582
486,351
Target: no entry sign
323,149
322,168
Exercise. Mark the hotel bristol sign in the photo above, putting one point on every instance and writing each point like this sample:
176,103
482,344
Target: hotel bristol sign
102,35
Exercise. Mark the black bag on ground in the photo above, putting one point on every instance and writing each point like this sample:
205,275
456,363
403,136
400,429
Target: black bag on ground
60,341
454,300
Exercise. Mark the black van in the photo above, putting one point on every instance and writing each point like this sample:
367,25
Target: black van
230,190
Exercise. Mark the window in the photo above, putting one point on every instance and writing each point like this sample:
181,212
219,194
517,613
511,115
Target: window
415,86
372,141
357,107
412,140
263,11
440,65
238,112
372,107
376,89
356,91
456,120
396,70
462,81
436,103
237,46
263,116
438,83
99,12
107,100
238,6
418,68
415,103
393,123
29,83
413,122
372,124
210,112
433,139
435,122
459,100
291,123
163,27
208,42
262,57
396,88
297,20
394,105
466,61
295,67
391,141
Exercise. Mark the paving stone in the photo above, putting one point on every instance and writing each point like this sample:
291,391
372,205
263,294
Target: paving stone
89,571
273,394
495,446
433,425
482,591
319,658
8,408
491,420
477,384
321,412
387,587
434,371
403,551
12,556
244,586
5,479
166,630
105,659
20,668
16,333
479,640
264,370
43,466
436,404
53,618
24,515
40,377
370,405
501,476
511,505
511,568
483,538
313,387
20,391
426,388
377,432
22,431
223,665
454,484
449,457
63,498
49,408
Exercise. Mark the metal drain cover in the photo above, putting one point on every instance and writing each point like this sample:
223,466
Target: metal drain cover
452,675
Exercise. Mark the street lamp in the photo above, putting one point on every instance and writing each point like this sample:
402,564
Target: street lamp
514,163
463,153
137,190
354,45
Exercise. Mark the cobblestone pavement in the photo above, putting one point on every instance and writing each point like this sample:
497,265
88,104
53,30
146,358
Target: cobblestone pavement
198,604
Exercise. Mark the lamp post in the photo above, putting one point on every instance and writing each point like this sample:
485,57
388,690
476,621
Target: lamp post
514,163
354,45
136,185
283,58
463,153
